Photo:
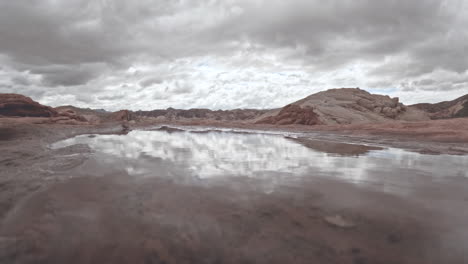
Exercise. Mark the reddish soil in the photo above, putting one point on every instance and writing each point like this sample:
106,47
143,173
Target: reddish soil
48,216
448,130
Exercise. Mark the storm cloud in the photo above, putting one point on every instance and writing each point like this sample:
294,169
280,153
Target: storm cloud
232,53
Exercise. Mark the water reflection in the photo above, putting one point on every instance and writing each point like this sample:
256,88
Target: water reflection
224,154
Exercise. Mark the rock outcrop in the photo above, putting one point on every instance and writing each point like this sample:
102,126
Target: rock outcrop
16,105
343,106
72,115
293,115
448,109
331,107
122,115
93,116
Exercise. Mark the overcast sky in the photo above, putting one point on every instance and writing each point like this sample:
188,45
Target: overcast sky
223,54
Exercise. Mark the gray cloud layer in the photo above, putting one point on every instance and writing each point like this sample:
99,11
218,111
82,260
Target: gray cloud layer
232,53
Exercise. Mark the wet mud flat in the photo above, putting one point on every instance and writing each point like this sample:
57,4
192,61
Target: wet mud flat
182,197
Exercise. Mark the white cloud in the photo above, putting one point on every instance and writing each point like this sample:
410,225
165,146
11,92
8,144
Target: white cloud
232,53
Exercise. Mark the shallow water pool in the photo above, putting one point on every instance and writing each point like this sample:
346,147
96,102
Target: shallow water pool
276,158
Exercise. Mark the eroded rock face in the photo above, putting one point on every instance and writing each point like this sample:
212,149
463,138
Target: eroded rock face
16,105
385,106
353,105
344,106
293,115
122,115
448,109
72,115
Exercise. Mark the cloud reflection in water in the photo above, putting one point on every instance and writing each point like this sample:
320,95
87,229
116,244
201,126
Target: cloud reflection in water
224,154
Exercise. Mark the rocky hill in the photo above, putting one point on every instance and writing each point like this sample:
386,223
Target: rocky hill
94,116
343,106
448,109
331,107
16,105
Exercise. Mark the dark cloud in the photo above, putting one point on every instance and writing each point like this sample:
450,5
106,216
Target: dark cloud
425,82
80,46
68,75
54,32
181,87
336,32
150,81
111,97
84,98
21,80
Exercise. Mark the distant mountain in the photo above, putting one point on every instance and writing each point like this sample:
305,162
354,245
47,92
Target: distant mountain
92,115
172,114
166,115
81,110
331,107
343,106
448,109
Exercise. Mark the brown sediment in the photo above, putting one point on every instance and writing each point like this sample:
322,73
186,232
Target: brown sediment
448,136
120,219
169,129
48,216
338,148
446,130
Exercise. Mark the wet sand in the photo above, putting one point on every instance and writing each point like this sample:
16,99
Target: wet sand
338,148
50,216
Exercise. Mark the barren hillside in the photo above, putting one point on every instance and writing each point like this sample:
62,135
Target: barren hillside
344,106
447,109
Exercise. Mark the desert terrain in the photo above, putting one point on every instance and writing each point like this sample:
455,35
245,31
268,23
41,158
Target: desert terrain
62,205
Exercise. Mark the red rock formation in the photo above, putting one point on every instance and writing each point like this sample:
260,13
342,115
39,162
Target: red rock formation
122,115
343,106
448,109
292,115
16,105
72,115
21,106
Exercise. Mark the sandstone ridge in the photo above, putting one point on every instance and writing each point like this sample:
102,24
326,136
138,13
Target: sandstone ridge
448,109
20,106
344,106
